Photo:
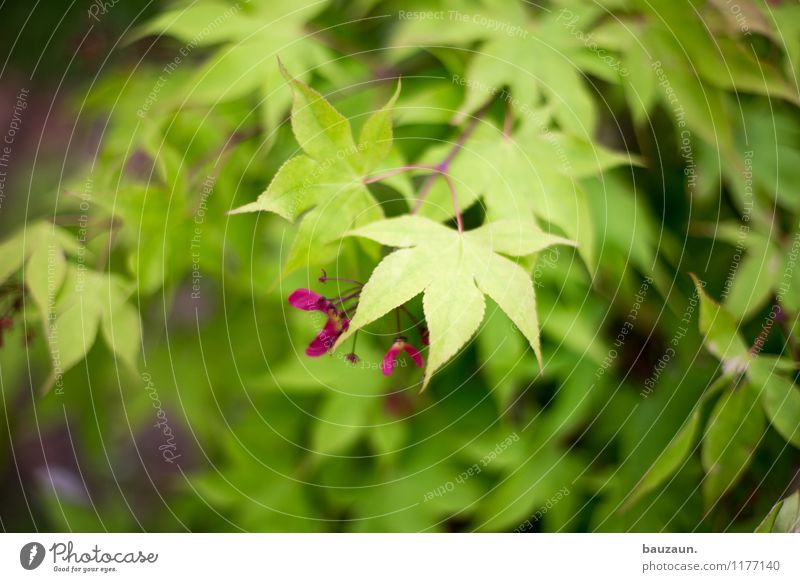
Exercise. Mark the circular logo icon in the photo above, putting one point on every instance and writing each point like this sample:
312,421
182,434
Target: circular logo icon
31,555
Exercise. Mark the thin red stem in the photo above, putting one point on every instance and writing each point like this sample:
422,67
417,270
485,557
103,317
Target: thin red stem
410,315
396,171
442,168
325,278
341,300
345,309
439,169
453,197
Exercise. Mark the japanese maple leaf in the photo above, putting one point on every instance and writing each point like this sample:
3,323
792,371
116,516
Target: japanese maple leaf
524,58
453,271
327,181
249,36
529,174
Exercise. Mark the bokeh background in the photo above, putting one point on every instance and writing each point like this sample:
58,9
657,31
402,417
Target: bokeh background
663,135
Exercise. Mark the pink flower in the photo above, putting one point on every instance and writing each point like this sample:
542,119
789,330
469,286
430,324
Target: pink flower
307,300
390,360
335,325
325,339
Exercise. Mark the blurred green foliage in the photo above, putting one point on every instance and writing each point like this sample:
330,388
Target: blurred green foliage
154,375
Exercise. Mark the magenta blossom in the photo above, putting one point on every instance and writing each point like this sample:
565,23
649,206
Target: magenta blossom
322,344
390,360
335,325
307,300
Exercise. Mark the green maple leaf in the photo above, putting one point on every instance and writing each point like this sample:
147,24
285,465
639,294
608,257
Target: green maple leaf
533,70
720,331
453,271
534,59
326,183
249,37
531,173
719,60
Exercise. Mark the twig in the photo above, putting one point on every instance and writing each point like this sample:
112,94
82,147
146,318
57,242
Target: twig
397,171
440,169
444,166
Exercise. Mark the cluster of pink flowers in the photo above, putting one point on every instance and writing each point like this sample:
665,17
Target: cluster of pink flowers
335,324
337,321
390,359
